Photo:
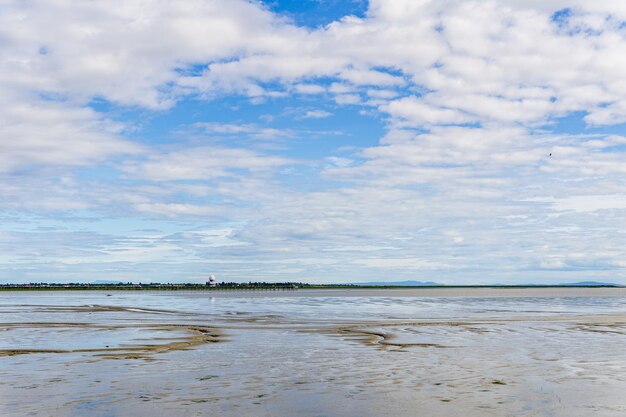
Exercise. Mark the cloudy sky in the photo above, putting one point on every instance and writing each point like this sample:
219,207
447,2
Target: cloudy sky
455,141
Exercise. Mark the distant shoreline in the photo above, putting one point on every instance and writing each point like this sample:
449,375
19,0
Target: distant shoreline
279,287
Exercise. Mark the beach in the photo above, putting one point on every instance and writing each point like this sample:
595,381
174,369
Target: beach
360,352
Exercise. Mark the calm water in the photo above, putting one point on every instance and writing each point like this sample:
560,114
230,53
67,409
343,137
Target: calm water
314,353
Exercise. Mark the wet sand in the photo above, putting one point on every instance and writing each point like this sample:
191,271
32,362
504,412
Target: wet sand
157,339
397,352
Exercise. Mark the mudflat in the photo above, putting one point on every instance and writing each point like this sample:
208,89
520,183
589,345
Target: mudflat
349,352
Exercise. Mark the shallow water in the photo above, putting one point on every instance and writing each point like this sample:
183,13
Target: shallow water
395,352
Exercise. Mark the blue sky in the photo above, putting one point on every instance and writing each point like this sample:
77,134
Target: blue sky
463,142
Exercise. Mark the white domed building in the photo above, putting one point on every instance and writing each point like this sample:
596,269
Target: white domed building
212,282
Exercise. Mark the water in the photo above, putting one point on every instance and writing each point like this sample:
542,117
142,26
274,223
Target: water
536,352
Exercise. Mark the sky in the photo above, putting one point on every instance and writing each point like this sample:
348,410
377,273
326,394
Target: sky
456,141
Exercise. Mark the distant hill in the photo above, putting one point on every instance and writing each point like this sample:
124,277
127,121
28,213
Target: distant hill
589,284
399,284
436,284
566,284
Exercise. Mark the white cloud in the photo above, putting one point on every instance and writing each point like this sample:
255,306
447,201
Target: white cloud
56,134
588,203
203,163
339,161
174,209
421,114
370,77
241,130
214,238
485,59
469,179
382,93
399,263
316,114
348,99
126,51
309,89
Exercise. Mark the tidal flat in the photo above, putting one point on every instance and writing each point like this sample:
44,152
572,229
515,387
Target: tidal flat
342,352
